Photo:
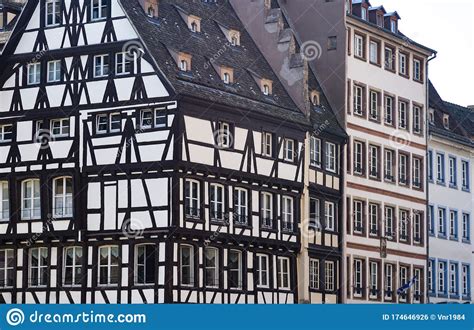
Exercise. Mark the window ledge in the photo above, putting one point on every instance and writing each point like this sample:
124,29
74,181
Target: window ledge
466,241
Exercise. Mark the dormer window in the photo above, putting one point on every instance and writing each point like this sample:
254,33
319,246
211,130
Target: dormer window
431,116
315,98
227,75
183,66
379,20
194,27
266,90
446,121
393,26
226,78
234,37
364,13
265,86
348,6
151,11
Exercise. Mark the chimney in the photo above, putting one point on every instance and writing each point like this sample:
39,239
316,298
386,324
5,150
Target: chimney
150,7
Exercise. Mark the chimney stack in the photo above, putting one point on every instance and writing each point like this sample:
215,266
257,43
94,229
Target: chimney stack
150,7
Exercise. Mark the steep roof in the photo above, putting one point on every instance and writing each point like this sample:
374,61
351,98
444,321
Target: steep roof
211,49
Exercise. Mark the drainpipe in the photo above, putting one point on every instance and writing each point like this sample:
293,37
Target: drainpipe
427,125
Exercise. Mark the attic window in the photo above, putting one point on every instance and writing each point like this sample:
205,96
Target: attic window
227,75
446,121
184,62
315,98
226,78
266,89
364,13
234,38
151,11
393,26
183,66
379,20
431,116
348,6
194,27
150,7
266,86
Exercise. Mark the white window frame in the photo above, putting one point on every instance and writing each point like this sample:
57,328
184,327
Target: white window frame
267,144
287,213
374,52
402,170
54,71
4,133
142,266
389,175
316,221
224,135
358,273
358,158
40,280
388,281
417,227
358,216
374,104
389,59
241,205
329,272
373,219
465,226
314,274
35,190
65,197
403,225
465,280
101,7
122,63
238,270
283,273
388,222
403,64
453,276
267,210
374,161
145,121
211,269
389,110
74,266
4,201
329,215
34,73
7,269
358,100
374,279
416,172
216,203
109,265
289,150
192,198
403,115
403,280
263,274
315,151
53,5
331,161
465,174
101,68
358,46
417,69
441,277
64,127
190,265
417,123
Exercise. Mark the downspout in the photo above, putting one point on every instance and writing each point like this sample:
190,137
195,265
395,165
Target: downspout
427,125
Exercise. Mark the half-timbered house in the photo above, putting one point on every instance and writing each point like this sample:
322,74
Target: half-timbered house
148,154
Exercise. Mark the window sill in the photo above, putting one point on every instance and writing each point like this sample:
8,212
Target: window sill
466,189
442,236
466,241
376,64
453,186
194,218
404,75
269,230
454,239
360,58
418,81
440,183
106,134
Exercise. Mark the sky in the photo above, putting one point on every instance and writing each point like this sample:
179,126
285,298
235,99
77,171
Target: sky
446,26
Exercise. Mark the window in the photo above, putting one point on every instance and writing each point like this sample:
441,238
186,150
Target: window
62,197
430,165
417,120
224,139
359,46
267,210
211,264
466,227
287,213
364,14
446,121
374,52
183,66
192,199
330,157
6,133
330,214
216,202
417,70
315,152
403,280
403,226
389,164
54,71
314,213
452,172
186,261
53,12
153,119
431,116
374,268
417,231
60,127
34,73
453,224
358,100
194,27
358,277
440,168
373,219
358,216
289,150
403,64
389,59
403,170
374,105
226,78
240,206
266,90
389,110
441,221
38,267
235,269
99,9
267,141
145,264
358,158
31,208
388,281
393,26
283,273
466,290
431,280
314,274
329,275
263,276
123,65
101,66
465,175
402,115
7,266
4,202
108,265
374,161
417,172
453,279
109,123
72,266
389,232
431,219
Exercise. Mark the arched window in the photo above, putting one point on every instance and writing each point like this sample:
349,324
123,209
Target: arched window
266,89
30,203
226,78
183,65
194,27
151,11
62,197
234,41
